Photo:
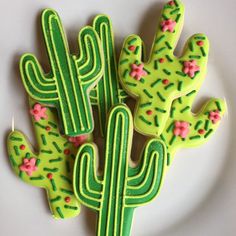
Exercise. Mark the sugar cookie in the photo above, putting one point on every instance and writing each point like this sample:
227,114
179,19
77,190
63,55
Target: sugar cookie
165,77
51,167
121,188
68,84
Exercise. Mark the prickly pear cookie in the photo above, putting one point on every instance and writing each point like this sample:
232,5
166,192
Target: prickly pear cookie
164,77
51,167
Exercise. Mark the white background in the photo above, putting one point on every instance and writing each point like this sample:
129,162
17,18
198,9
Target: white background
199,194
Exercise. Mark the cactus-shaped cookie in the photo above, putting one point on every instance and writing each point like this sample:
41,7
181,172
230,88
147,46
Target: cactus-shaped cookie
68,84
164,77
185,129
121,188
107,93
51,167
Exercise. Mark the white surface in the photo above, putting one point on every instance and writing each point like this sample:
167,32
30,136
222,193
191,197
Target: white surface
199,193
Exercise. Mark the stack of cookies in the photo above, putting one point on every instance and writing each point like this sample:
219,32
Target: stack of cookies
163,87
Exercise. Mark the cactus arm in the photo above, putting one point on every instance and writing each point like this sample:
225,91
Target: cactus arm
164,77
37,85
90,62
144,181
87,186
201,128
54,163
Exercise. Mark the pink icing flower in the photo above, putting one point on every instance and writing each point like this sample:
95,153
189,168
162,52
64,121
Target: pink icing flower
168,25
38,112
181,129
190,68
214,116
137,71
29,166
79,140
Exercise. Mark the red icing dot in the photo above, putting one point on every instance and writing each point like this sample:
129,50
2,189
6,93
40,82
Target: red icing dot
48,128
201,131
131,47
165,81
161,60
200,43
50,175
149,112
171,3
67,199
35,111
22,147
67,151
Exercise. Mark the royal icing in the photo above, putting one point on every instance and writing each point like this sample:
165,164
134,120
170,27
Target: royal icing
68,84
107,93
121,188
51,167
185,129
38,112
165,77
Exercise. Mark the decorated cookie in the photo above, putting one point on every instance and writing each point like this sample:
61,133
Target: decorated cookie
107,93
68,84
164,77
122,187
185,129
51,167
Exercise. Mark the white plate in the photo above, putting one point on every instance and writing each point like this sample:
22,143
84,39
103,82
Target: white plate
199,193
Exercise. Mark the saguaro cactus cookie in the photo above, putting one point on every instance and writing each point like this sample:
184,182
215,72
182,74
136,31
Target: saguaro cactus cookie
68,84
165,77
185,129
107,93
51,167
121,188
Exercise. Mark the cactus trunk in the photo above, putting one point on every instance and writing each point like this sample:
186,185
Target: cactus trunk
107,93
110,225
75,117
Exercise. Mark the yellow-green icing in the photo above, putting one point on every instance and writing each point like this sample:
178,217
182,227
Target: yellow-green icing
201,127
163,77
54,162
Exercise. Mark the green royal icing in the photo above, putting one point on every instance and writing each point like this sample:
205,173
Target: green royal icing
153,94
121,188
68,84
107,93
51,160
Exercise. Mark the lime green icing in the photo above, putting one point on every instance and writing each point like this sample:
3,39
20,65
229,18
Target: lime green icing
201,127
154,96
121,188
55,156
107,93
71,78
